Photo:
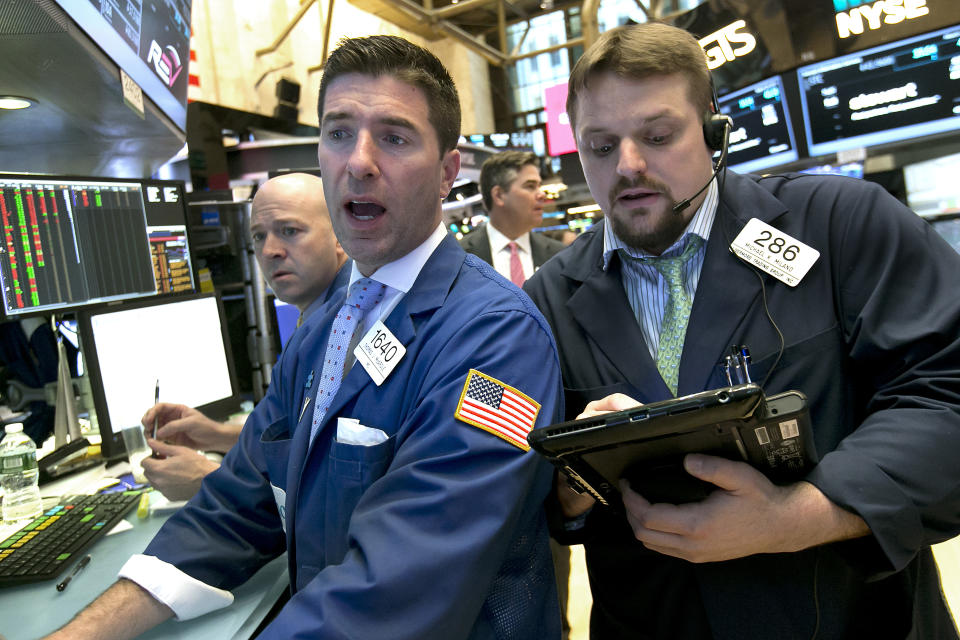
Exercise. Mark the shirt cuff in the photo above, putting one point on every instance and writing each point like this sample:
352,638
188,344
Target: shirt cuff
579,522
186,596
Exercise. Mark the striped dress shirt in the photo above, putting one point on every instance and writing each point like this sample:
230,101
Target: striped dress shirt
644,285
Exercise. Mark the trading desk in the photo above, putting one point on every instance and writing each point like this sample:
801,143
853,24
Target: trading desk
30,611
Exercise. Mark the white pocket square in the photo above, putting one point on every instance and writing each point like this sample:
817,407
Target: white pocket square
350,431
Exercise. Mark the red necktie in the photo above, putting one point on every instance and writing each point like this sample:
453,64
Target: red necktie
516,269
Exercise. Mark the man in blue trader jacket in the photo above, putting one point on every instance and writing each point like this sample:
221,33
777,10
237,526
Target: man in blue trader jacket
870,332
413,510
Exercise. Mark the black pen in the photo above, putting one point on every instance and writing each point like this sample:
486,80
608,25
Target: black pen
156,401
76,570
156,416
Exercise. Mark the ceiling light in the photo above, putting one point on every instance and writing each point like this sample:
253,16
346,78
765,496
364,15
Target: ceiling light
15,102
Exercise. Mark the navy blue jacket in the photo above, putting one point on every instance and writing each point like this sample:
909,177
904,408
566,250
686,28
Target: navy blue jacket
439,531
872,337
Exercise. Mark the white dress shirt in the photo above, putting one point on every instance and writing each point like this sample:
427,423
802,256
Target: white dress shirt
500,251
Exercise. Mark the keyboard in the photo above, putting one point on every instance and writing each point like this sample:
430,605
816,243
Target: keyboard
45,547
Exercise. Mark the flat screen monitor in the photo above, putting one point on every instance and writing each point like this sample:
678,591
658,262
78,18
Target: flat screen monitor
182,342
762,136
898,91
149,40
932,186
948,226
70,242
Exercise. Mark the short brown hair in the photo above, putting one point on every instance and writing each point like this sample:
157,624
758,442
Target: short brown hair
407,62
639,51
501,169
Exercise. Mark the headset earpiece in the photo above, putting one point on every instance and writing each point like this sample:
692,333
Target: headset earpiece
715,130
714,124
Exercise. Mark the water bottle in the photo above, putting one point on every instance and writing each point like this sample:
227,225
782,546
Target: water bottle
18,476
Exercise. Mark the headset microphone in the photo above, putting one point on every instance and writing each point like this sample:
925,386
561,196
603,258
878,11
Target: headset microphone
716,130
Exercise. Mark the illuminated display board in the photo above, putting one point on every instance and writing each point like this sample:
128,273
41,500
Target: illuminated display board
899,91
148,39
70,242
742,45
761,136
746,42
822,29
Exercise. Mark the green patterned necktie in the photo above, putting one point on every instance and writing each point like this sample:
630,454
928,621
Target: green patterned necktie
676,314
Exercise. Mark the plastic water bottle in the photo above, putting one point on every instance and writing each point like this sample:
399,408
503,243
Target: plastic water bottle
18,476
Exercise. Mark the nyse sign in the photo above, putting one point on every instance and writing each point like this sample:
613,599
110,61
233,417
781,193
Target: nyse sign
728,43
874,15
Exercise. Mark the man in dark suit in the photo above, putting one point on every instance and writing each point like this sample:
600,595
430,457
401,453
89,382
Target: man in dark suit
870,332
510,186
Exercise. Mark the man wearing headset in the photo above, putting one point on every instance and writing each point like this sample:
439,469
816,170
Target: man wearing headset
870,333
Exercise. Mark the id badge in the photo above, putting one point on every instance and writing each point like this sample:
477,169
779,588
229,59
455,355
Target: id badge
774,252
379,352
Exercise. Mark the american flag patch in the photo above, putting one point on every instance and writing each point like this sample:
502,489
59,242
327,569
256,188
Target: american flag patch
498,408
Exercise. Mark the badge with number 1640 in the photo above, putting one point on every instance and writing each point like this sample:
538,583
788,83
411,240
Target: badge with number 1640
379,352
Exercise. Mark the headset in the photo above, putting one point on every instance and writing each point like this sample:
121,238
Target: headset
716,133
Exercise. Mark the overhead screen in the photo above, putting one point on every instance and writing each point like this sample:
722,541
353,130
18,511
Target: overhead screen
895,92
746,42
72,242
148,39
181,342
762,135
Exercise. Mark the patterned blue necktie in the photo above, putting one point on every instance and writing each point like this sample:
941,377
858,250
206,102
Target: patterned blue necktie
364,294
673,330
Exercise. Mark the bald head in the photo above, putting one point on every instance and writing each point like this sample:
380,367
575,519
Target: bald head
293,238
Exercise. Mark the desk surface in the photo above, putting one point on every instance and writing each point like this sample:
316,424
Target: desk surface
30,611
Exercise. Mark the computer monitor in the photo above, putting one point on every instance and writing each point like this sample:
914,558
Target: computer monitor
180,341
948,226
898,91
932,186
761,136
69,242
151,43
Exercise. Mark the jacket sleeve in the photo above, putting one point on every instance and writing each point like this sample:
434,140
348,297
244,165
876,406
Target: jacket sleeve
231,527
895,283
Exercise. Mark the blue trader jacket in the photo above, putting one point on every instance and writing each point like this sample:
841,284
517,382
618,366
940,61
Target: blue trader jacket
439,531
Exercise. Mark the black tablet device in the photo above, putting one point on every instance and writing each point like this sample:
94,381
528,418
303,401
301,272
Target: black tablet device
646,444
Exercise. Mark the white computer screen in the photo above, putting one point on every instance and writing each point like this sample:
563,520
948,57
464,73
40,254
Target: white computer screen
179,343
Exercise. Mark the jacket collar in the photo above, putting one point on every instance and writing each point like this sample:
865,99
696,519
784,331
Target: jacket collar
428,293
